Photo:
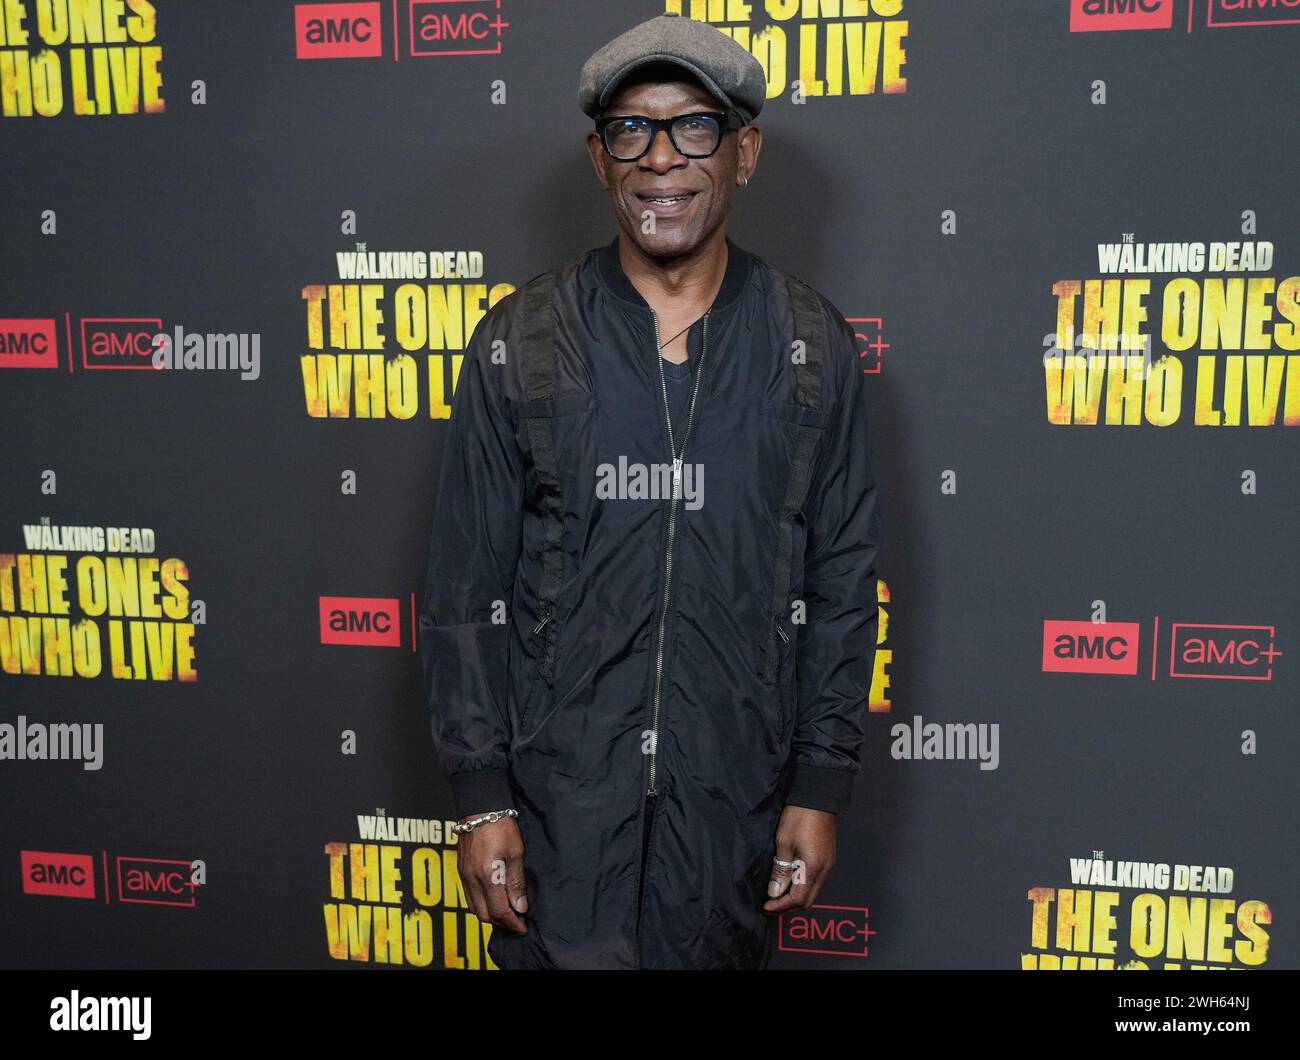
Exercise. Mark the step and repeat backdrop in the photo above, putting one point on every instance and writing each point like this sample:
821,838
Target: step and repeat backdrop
244,247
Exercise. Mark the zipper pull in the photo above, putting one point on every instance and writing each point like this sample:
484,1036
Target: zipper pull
677,477
538,628
781,631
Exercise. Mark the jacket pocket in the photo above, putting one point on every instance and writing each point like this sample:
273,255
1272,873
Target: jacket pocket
545,656
803,415
530,701
549,408
785,640
544,639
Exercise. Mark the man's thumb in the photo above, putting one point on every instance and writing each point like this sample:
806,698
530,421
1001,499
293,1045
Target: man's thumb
780,878
516,888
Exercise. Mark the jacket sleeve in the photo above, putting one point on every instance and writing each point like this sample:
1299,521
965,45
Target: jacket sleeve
473,552
836,646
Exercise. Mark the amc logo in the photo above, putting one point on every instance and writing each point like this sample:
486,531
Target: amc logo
456,27
1090,647
338,31
1089,15
369,621
871,343
1234,653
28,344
155,881
119,342
63,875
840,930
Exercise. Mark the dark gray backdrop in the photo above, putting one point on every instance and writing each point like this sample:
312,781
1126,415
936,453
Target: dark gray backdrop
215,216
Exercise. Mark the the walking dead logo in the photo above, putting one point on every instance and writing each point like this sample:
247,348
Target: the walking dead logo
1119,915
371,334
1221,349
850,48
84,57
115,610
396,897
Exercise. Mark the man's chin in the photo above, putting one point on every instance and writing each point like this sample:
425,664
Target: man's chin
667,241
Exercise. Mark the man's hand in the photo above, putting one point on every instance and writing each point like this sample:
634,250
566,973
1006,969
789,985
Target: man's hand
806,837
491,865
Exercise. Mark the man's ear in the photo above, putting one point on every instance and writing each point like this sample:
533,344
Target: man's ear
596,150
749,143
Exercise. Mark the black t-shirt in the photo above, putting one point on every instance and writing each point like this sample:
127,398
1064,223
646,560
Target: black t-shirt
679,378
681,382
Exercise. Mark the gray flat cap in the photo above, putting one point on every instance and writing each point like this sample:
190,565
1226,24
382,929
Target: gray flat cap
724,67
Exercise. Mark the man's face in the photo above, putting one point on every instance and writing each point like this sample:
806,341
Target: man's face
666,230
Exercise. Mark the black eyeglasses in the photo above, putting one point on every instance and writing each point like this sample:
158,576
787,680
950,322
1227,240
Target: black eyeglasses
628,136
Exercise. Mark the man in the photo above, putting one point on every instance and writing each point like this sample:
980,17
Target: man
647,685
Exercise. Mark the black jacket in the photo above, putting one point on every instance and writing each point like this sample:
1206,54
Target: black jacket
760,689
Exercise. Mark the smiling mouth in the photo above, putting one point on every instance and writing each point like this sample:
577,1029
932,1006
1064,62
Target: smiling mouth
666,200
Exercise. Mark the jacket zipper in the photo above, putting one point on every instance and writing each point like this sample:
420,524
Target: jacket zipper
672,525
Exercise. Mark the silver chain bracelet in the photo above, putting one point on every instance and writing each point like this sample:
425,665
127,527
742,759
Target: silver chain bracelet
487,818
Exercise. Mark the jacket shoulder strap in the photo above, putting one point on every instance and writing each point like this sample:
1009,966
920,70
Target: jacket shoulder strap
804,324
806,321
540,357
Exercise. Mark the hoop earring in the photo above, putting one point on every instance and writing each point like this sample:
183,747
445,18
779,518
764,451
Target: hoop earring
744,179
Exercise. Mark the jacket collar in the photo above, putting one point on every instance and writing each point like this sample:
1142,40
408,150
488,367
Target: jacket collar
734,279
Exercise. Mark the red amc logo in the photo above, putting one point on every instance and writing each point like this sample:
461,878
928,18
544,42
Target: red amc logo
154,881
835,929
338,31
1089,15
1234,653
119,342
456,27
1090,647
871,343
370,621
63,875
28,344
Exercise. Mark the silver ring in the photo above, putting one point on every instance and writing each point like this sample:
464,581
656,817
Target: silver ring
783,864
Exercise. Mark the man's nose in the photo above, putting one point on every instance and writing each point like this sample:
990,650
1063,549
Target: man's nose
662,153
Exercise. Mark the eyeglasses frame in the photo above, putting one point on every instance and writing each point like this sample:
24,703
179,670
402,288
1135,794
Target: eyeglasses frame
728,120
